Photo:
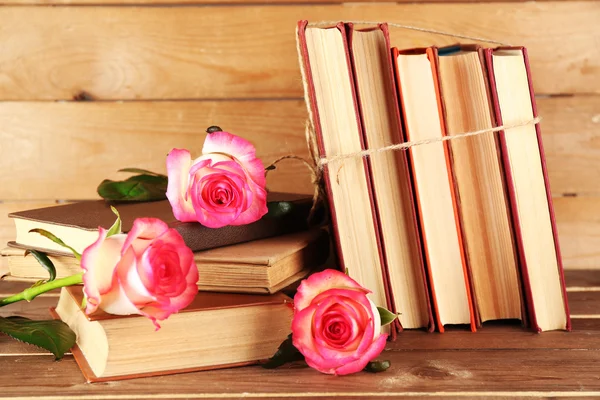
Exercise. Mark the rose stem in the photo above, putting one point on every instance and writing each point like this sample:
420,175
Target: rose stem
32,292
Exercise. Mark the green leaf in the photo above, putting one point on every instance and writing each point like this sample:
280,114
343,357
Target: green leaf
116,227
387,317
278,209
45,262
285,353
52,335
56,240
377,366
136,188
140,171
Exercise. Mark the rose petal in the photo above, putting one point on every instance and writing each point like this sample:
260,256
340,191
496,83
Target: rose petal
99,262
319,283
242,150
178,171
372,352
143,231
258,207
134,287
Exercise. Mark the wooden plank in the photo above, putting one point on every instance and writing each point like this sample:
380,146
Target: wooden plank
249,51
467,373
578,220
570,127
64,150
584,304
89,140
225,2
582,279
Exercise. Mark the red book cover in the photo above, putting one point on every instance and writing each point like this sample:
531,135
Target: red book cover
400,138
512,194
432,57
314,107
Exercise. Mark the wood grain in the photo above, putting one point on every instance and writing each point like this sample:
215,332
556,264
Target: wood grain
250,52
64,150
571,134
93,140
224,2
578,221
469,372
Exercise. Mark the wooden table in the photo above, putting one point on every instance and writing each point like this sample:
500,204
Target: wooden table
498,361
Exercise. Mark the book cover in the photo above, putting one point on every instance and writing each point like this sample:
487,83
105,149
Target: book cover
82,219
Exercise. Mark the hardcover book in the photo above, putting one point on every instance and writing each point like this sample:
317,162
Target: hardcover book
392,185
262,266
199,337
437,205
479,181
529,189
330,90
77,223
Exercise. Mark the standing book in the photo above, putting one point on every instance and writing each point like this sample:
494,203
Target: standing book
529,189
436,203
392,185
477,168
330,91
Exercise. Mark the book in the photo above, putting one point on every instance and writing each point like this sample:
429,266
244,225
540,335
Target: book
77,223
436,203
243,329
529,189
330,92
478,176
261,266
390,175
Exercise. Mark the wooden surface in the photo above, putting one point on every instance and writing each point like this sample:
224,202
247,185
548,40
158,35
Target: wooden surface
499,361
118,53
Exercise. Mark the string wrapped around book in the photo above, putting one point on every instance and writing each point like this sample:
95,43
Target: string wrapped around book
316,163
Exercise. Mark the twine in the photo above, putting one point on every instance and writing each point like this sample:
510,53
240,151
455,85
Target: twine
318,163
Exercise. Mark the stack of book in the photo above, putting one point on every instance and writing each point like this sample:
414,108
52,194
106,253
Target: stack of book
243,271
449,232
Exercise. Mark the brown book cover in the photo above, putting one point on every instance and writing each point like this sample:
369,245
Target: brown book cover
407,179
204,301
512,194
89,215
312,100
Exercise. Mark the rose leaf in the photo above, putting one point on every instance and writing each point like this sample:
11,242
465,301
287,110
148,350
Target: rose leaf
377,366
56,240
44,261
116,226
52,335
285,353
387,317
278,209
142,187
140,171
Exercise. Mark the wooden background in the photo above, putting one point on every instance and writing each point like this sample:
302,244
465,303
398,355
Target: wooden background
91,86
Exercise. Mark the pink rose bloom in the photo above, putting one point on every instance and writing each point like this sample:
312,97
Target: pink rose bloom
335,326
150,271
224,186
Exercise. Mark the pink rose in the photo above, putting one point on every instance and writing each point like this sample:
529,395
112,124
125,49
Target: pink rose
224,186
150,271
335,326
